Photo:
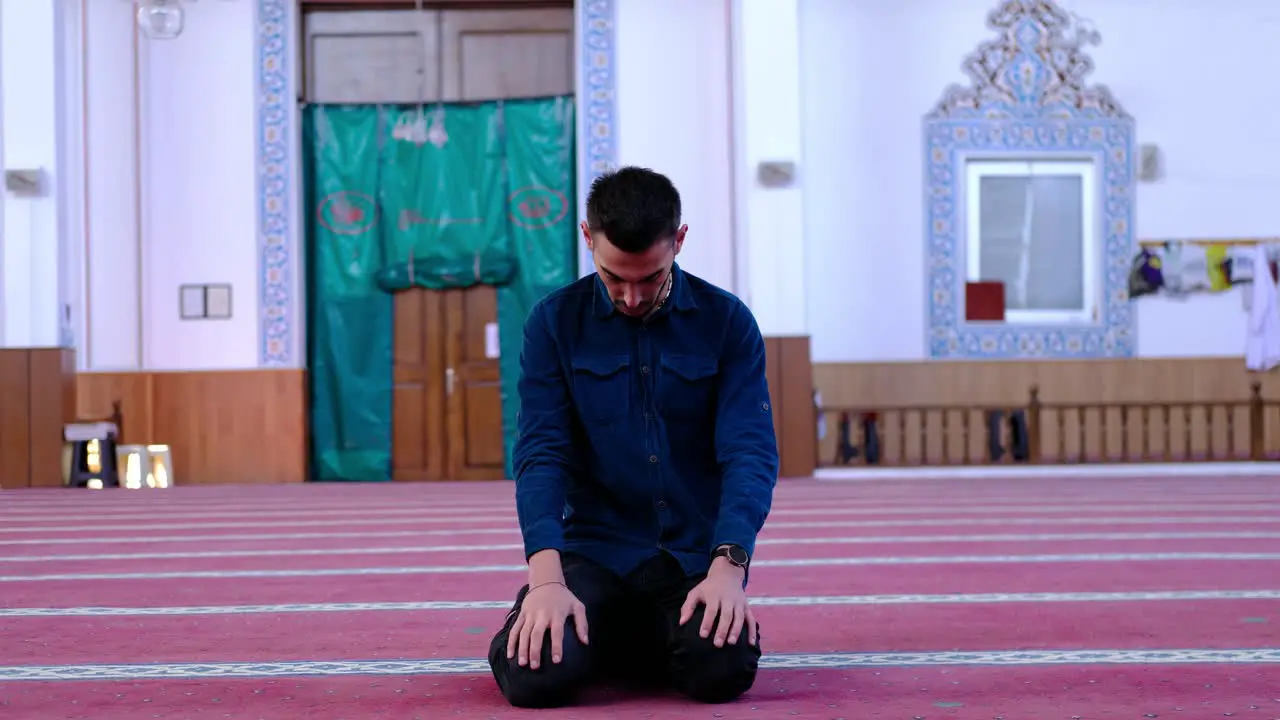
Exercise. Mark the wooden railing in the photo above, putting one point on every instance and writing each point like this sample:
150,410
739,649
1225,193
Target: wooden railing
1051,433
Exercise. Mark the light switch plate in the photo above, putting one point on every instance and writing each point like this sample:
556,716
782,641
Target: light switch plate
204,302
1150,162
24,182
191,302
217,302
776,173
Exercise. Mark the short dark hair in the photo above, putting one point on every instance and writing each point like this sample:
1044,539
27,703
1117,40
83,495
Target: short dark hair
634,207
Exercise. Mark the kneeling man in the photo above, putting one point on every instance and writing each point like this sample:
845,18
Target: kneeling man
645,467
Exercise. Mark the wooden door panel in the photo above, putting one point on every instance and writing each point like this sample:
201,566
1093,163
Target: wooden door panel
370,56
329,5
409,456
504,54
479,309
409,347
475,403
418,435
483,407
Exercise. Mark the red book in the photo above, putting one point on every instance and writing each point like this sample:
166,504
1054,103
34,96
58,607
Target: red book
984,301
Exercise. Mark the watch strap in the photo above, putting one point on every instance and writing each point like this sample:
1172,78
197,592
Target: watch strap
736,555
726,550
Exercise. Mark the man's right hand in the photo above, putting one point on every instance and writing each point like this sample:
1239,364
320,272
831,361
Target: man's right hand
545,607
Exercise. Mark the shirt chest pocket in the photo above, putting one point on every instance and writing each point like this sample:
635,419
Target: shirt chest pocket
687,387
601,386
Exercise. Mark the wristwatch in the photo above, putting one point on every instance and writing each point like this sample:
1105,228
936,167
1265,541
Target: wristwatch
736,555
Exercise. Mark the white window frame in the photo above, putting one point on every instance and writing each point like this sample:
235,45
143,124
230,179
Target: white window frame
1091,247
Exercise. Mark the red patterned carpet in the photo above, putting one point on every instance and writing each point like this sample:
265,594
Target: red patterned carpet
1015,599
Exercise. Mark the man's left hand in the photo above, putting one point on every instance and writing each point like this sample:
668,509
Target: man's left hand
721,591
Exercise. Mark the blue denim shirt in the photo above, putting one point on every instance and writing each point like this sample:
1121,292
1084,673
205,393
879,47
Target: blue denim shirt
639,436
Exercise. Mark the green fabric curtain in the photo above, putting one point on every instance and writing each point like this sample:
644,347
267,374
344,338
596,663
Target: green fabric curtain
438,197
444,200
543,227
350,331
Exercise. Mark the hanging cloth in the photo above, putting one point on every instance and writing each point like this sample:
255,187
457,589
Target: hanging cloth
1262,344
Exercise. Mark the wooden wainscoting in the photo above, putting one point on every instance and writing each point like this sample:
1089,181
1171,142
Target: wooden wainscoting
37,398
790,375
224,427
1070,435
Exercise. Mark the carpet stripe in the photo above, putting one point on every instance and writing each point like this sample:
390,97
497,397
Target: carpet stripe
135,506
862,540
444,515
152,527
943,599
799,562
62,531
512,530
799,661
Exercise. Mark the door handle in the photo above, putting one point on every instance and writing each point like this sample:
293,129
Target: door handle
448,381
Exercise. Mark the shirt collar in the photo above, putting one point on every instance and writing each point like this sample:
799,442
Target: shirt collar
681,297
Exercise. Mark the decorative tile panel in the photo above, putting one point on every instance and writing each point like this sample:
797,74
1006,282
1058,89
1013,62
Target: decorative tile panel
598,70
1027,98
279,242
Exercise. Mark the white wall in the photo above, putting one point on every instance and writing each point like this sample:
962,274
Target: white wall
34,234
673,115
769,232
1190,73
179,207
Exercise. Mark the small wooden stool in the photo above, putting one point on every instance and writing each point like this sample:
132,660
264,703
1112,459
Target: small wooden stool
89,452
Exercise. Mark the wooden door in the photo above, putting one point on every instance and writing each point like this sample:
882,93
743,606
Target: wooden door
488,55
447,409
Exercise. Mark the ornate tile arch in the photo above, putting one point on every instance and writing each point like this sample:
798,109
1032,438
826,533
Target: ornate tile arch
278,155
1028,98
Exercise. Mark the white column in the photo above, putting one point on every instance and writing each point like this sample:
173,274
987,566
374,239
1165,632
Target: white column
112,251
33,83
673,115
766,114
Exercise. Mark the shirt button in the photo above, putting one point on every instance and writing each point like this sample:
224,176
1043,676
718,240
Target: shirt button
653,458
645,369
661,504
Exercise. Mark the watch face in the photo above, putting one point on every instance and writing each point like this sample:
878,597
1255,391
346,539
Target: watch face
738,556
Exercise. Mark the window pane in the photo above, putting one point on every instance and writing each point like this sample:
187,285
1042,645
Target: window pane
1032,239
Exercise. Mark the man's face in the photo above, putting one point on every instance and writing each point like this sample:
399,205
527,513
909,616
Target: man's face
636,281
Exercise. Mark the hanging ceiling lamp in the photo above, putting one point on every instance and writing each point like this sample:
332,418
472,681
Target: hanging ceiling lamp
161,19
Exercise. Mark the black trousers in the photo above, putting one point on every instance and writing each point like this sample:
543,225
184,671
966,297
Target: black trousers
635,639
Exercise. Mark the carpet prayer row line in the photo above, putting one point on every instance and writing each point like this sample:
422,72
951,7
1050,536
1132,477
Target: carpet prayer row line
918,599
19,522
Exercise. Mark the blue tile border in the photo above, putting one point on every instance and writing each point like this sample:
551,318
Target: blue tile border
1028,97
597,102
599,88
278,235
